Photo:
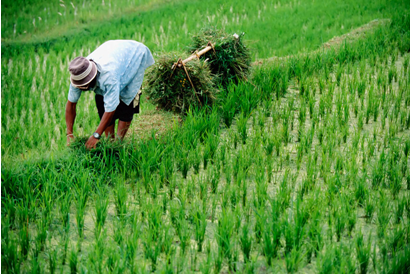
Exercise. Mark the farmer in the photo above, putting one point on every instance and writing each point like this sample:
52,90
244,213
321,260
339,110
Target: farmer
114,71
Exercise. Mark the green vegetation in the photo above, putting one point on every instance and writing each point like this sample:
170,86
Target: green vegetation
304,168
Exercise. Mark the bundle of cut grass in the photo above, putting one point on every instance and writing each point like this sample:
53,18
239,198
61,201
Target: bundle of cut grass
229,61
171,89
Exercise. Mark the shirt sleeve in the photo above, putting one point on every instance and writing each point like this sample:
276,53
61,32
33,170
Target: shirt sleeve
112,98
74,94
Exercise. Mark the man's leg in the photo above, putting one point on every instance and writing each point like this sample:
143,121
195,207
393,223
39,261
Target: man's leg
110,131
122,128
100,108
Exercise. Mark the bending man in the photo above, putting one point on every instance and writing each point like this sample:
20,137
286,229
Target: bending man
114,71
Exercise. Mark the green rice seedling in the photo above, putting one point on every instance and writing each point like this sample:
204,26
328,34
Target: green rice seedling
184,162
292,261
395,180
322,106
315,233
224,234
42,228
10,261
369,208
360,122
311,106
101,202
396,239
193,259
321,85
200,226
118,231
392,74
234,192
35,265
399,209
222,156
214,178
267,105
195,160
284,194
320,134
73,260
338,256
401,262
303,86
152,249
235,139
383,215
300,135
213,141
218,261
154,186
166,241
154,219
228,171
339,73
269,162
288,233
259,223
325,263
363,252
261,187
205,266
96,257
24,241
167,167
351,219
347,265
52,257
259,118
406,63
184,234
242,126
82,194
375,259
169,268
131,244
245,242
271,241
242,182
361,192
339,222
268,144
378,172
115,262
229,104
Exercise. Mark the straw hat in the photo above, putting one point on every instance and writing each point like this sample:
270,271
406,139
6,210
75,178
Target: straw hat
82,71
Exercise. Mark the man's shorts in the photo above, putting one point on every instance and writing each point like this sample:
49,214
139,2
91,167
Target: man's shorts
123,112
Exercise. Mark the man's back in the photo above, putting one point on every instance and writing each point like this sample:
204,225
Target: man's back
121,65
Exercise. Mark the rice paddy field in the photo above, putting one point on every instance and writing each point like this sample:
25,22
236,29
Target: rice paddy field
302,168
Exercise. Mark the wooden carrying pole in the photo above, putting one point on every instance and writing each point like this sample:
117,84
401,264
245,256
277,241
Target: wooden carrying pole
181,63
197,55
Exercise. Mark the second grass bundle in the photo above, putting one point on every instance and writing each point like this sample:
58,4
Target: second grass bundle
217,58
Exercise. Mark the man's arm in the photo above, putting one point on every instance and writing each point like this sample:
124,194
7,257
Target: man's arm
70,117
105,121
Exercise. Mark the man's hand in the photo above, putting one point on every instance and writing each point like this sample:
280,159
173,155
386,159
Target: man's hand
70,139
91,143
